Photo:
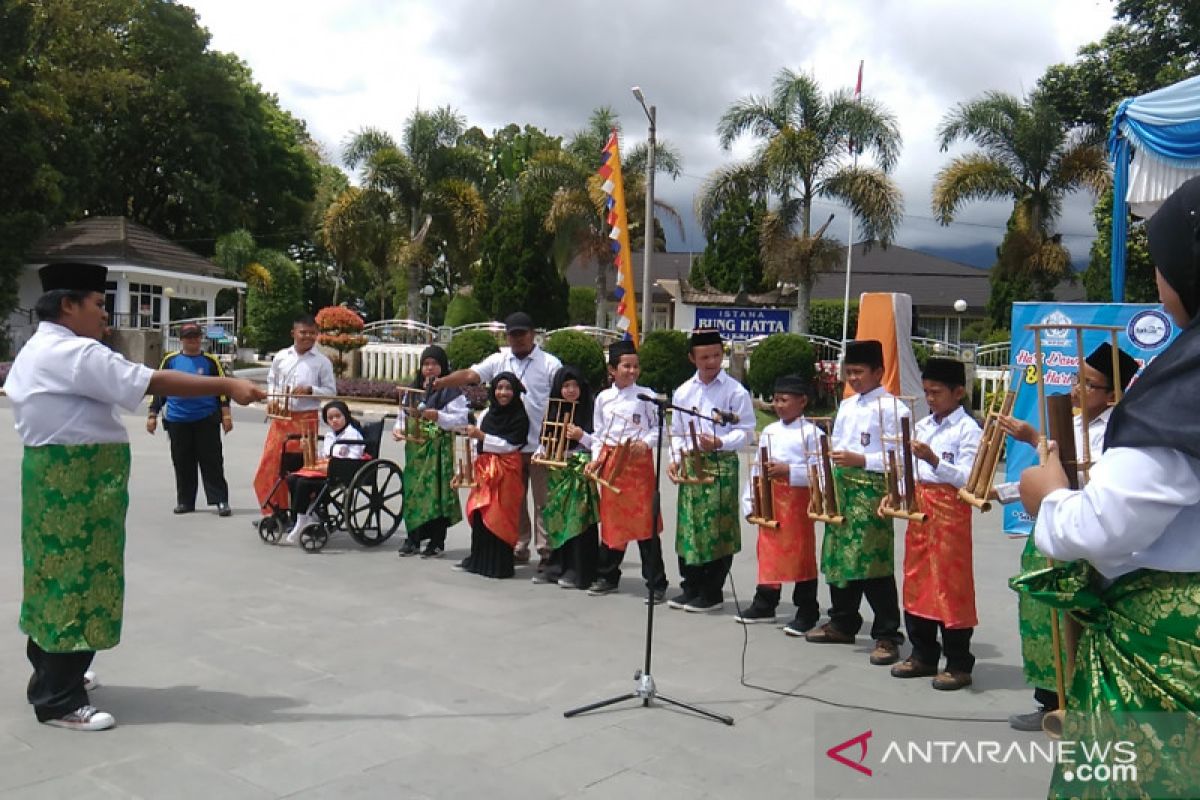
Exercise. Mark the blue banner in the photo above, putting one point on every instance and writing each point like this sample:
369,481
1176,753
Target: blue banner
1145,332
744,323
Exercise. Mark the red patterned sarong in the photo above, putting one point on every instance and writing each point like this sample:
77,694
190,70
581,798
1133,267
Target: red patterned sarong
939,574
625,517
272,454
499,494
788,554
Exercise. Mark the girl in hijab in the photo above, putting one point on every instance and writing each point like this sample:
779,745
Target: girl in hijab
494,505
344,440
430,505
1136,583
572,509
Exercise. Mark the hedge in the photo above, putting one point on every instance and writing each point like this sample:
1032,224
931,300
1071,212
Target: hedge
664,360
779,354
580,351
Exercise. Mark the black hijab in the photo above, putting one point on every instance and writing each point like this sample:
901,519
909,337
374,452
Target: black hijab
437,400
351,422
1156,412
509,422
584,407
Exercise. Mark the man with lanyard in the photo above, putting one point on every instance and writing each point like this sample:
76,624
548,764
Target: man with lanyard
194,426
709,529
535,368
65,387
305,373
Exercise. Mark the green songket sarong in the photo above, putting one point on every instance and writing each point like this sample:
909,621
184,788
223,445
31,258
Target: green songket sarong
1136,678
572,505
73,504
428,470
708,526
863,546
1033,619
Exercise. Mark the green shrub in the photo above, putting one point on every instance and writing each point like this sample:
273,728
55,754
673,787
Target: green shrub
825,319
921,353
999,335
580,351
464,310
664,360
581,306
780,354
469,348
977,331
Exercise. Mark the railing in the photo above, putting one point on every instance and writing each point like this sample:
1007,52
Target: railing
937,347
400,331
994,355
137,321
390,361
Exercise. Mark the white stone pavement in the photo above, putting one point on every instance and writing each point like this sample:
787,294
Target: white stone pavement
255,671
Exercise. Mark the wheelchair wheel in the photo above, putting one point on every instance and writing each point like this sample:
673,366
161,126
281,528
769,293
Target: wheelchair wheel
270,529
314,537
374,503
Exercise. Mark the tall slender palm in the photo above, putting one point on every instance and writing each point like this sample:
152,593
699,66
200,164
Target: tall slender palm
1030,156
807,150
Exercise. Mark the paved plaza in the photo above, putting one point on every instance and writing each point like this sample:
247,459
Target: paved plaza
252,671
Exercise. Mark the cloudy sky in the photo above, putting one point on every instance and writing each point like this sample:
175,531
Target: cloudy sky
353,63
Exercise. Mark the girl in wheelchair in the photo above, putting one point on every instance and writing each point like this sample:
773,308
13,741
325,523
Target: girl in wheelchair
344,440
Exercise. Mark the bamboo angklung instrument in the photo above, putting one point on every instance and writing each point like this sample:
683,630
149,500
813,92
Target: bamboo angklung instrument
900,470
412,403
1056,421
762,498
308,446
553,437
689,468
824,505
464,461
991,447
612,463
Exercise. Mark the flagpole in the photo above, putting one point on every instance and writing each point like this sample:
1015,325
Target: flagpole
850,236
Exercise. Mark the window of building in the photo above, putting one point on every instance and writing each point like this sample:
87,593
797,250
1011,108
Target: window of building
145,304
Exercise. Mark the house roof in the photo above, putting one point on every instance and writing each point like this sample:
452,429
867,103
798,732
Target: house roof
118,239
670,266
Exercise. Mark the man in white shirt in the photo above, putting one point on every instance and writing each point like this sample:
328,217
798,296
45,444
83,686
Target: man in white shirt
306,374
535,368
709,529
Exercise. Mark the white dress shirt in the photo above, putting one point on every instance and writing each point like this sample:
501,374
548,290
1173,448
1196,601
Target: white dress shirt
65,389
347,443
494,444
723,393
1141,509
619,414
789,443
1010,492
955,441
290,369
856,428
536,373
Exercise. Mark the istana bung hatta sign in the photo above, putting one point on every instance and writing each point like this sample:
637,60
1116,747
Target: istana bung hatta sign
744,323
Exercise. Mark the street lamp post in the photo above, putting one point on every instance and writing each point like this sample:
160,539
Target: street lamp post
428,291
960,306
648,226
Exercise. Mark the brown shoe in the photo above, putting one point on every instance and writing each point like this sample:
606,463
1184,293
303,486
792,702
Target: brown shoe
827,634
885,652
911,668
521,555
950,681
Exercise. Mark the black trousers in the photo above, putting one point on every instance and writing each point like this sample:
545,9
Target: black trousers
706,581
577,558
956,643
654,572
304,491
881,596
1047,699
198,444
56,687
434,531
804,597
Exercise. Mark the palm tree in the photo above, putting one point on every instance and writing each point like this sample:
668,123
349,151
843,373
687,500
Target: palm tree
576,213
1030,156
807,150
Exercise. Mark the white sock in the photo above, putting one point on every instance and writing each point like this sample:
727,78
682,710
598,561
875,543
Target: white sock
301,521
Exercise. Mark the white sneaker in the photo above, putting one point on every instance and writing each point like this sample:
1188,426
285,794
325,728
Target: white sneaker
90,681
84,718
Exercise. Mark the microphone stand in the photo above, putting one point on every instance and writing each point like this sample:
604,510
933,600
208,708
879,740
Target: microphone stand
645,689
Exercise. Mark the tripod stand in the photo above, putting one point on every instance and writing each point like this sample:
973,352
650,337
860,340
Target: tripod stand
645,688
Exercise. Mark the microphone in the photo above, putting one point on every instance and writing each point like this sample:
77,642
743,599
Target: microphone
724,417
658,399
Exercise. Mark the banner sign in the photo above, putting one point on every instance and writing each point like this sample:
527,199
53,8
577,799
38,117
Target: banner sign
1145,332
744,323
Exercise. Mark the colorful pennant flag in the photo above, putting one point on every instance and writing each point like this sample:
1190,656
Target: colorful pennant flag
617,222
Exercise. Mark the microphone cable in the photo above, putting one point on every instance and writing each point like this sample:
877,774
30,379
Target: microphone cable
834,703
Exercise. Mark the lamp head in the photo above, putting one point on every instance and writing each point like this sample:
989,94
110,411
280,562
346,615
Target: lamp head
637,93
960,305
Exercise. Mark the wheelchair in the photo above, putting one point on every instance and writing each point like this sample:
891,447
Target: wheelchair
365,497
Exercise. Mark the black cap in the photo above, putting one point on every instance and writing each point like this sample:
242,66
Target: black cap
864,351
1101,361
190,329
73,276
945,370
703,336
792,384
618,349
518,321
1174,242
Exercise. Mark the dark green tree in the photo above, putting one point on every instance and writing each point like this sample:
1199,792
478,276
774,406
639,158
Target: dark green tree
1139,268
271,311
731,259
517,270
